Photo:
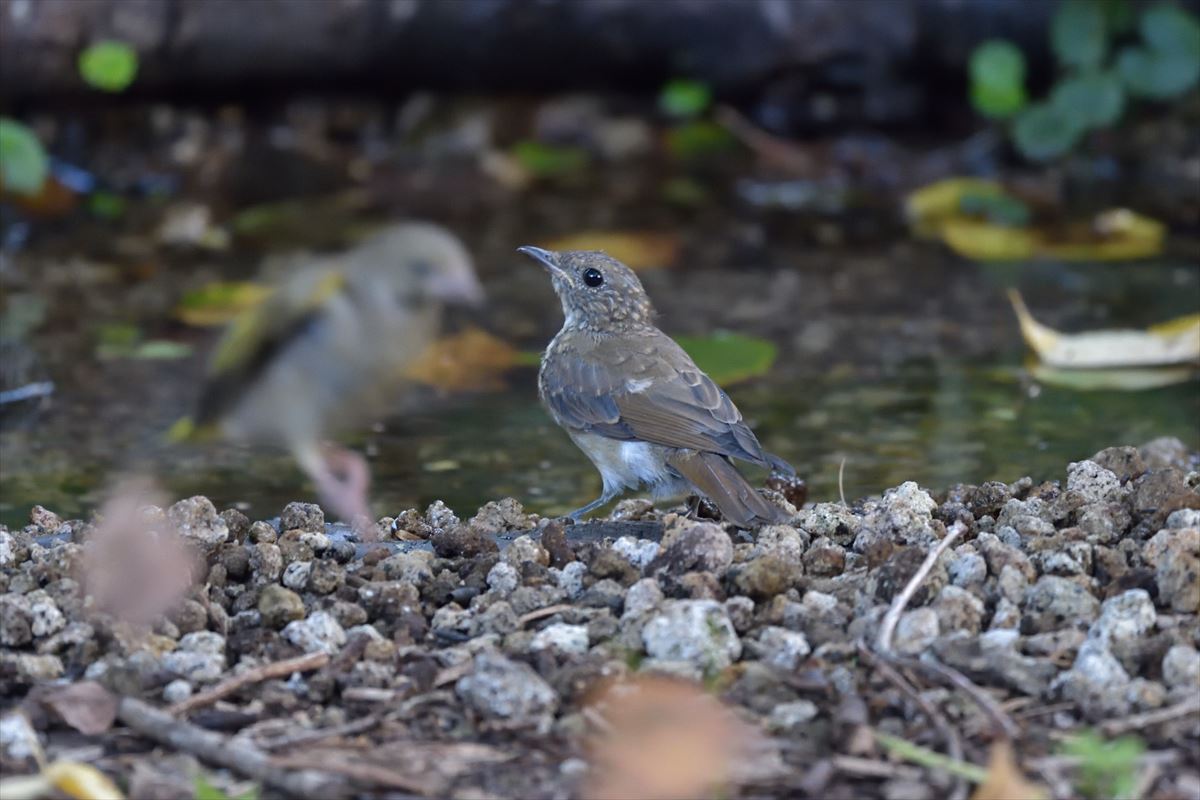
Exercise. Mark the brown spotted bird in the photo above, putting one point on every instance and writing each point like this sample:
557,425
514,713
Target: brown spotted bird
329,345
635,402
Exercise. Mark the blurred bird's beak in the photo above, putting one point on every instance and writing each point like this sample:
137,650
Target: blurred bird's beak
458,288
548,259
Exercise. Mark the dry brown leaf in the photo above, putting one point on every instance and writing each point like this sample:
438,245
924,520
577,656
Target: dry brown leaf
86,706
664,739
135,567
1004,778
473,360
638,249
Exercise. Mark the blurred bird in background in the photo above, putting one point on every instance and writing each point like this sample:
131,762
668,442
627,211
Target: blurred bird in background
328,346
635,402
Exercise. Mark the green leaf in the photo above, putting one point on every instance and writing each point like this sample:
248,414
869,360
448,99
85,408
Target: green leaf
1078,33
1118,15
1107,769
203,790
109,65
730,357
1171,29
997,62
684,98
998,101
1158,75
23,166
1043,132
549,161
107,205
1097,99
698,138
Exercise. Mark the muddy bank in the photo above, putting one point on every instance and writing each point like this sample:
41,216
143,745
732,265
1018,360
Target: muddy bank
463,656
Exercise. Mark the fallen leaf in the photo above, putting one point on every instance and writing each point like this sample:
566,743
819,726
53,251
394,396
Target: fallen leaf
220,302
135,567
665,738
1004,779
728,358
928,207
982,221
473,360
1129,379
1173,342
637,249
79,781
86,706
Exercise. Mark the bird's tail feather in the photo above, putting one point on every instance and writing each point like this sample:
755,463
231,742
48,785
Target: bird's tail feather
713,475
777,464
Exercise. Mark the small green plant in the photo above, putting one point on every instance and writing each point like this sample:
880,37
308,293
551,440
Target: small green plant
203,790
1106,769
108,66
1158,59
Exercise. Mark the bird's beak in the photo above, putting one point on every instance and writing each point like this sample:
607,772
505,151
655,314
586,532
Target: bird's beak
547,258
459,287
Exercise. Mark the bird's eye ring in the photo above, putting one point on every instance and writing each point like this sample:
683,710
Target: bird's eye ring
592,277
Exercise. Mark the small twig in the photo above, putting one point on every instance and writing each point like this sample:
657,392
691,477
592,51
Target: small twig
277,669
953,743
869,768
360,771
767,145
320,734
1162,758
928,758
224,751
883,644
548,611
1000,719
1113,727
841,484
1144,783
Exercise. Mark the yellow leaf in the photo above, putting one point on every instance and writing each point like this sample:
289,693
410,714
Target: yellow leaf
1004,778
984,241
472,360
929,206
1115,235
81,781
218,303
1172,342
637,249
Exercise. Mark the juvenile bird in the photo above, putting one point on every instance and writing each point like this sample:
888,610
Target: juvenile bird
635,402
326,347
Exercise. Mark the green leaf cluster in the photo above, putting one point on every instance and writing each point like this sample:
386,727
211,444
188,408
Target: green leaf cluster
1096,79
1106,769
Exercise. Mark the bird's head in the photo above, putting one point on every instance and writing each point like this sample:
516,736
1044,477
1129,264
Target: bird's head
598,293
423,262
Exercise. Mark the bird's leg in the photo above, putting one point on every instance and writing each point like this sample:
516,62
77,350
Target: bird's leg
342,478
578,513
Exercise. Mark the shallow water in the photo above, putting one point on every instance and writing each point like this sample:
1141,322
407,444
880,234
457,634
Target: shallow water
896,358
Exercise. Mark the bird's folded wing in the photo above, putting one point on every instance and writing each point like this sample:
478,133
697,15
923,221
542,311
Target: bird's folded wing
654,394
257,336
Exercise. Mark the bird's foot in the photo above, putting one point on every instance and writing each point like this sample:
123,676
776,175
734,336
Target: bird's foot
342,485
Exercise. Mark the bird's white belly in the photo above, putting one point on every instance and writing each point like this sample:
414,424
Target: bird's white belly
627,464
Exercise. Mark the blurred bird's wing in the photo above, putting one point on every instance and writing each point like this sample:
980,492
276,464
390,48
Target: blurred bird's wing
651,391
260,334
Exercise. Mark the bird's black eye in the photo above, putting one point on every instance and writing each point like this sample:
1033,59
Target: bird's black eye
592,277
422,269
